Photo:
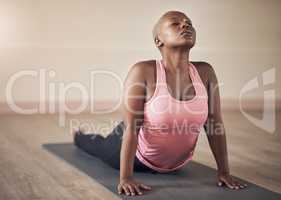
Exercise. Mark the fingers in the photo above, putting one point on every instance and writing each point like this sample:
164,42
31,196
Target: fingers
138,190
234,185
126,189
119,188
229,185
237,185
133,189
145,187
240,185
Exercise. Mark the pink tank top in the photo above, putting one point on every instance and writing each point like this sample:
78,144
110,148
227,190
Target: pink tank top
171,127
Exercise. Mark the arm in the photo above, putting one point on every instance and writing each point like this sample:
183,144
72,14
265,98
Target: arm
215,131
214,126
133,104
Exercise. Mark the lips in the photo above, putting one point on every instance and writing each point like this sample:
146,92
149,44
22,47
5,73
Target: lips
188,33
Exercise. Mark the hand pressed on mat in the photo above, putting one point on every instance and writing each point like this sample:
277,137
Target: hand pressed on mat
228,181
131,187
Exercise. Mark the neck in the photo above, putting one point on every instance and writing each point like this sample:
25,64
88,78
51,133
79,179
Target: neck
176,60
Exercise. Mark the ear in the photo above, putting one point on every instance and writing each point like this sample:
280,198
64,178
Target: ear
158,42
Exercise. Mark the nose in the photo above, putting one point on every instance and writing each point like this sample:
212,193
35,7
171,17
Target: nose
184,25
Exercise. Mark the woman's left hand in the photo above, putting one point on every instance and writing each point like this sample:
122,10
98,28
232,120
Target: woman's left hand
228,181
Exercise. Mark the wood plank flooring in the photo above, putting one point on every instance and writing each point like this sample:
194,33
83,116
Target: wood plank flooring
27,171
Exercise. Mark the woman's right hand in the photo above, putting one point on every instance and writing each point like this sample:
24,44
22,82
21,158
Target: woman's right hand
131,187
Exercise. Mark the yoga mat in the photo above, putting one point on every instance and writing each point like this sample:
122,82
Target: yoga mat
194,181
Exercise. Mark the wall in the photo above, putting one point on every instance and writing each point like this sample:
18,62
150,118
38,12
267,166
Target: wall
241,39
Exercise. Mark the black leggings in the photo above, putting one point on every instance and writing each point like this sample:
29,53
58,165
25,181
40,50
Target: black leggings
108,148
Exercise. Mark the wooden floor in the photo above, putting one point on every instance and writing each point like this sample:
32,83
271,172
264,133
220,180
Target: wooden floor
27,171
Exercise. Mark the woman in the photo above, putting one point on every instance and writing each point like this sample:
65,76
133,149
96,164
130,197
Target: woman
166,102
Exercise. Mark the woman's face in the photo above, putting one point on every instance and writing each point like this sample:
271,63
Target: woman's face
176,30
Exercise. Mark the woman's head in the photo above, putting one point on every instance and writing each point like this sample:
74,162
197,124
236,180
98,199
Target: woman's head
174,29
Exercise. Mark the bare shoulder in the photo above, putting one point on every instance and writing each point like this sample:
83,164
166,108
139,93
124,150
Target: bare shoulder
143,70
138,70
145,65
205,70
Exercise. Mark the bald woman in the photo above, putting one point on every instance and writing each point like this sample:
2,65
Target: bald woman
166,102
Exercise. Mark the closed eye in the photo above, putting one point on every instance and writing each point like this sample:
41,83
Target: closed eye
175,23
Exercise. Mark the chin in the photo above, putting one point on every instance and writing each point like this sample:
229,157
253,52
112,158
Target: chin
187,44
191,45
